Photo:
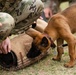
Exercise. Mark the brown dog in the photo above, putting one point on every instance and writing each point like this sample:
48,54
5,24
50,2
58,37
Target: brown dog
60,27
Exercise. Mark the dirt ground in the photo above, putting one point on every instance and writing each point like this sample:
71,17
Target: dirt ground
46,67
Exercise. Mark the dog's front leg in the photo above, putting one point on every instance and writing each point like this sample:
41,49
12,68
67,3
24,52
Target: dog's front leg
59,49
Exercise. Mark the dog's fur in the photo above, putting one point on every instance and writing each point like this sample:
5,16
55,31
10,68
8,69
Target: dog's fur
60,27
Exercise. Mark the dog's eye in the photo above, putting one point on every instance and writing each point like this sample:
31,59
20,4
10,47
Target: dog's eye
44,42
43,45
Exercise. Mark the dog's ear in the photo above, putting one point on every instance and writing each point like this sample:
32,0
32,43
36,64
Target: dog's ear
44,42
32,32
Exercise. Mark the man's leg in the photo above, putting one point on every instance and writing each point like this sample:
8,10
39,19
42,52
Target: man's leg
26,13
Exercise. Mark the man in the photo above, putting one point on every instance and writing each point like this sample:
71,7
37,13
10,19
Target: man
24,13
53,6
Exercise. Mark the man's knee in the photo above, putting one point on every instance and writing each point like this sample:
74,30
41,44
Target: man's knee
8,24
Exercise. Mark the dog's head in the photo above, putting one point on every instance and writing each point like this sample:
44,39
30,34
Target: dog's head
40,44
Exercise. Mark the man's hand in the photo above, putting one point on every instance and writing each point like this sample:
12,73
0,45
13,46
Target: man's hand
47,12
0,24
5,46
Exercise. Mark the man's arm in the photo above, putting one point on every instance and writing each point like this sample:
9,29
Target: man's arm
5,46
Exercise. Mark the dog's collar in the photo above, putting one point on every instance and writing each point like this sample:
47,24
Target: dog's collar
53,45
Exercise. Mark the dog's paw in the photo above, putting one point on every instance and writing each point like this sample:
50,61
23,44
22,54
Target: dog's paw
56,59
68,65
